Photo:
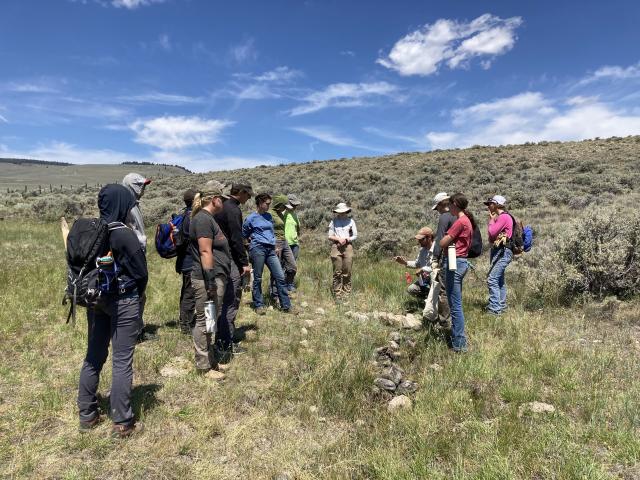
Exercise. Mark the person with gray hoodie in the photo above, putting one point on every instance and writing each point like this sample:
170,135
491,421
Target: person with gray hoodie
136,184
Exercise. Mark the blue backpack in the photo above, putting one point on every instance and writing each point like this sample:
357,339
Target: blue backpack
169,236
521,238
527,238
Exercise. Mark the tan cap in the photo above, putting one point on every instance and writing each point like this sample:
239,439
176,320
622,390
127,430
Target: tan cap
424,232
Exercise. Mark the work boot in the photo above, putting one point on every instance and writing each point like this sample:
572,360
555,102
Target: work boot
87,426
120,431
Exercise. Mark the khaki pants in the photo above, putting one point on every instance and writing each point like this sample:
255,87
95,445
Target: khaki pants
342,260
202,339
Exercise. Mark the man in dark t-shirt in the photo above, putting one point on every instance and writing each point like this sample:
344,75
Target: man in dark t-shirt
445,221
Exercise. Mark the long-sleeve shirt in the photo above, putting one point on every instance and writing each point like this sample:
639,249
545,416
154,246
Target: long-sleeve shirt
291,228
136,223
278,223
502,223
259,227
423,261
445,222
230,222
343,228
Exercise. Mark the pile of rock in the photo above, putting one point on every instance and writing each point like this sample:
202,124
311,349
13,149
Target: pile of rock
408,321
391,382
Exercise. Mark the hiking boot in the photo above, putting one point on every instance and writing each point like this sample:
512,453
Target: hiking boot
87,426
291,310
146,337
120,431
261,311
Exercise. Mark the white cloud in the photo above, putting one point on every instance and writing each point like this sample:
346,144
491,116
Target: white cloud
255,92
244,52
329,135
3,119
424,51
531,117
133,4
405,139
613,72
170,133
282,74
344,95
30,88
270,84
165,42
161,99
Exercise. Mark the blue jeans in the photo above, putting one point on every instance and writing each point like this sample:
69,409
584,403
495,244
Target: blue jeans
500,259
453,283
261,254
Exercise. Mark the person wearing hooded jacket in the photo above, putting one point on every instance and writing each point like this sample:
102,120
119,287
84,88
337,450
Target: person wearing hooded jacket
136,184
116,319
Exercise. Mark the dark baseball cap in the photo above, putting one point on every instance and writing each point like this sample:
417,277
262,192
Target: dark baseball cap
243,187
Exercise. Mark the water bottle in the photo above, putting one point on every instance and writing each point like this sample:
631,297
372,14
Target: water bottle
210,316
451,257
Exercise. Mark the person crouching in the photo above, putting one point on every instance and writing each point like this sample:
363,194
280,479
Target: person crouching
422,264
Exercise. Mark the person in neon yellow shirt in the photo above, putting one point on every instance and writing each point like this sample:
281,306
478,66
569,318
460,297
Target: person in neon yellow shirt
292,232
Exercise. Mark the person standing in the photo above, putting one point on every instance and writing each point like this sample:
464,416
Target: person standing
445,221
211,266
230,222
136,184
420,288
292,235
342,233
258,228
116,319
459,235
279,213
500,232
184,264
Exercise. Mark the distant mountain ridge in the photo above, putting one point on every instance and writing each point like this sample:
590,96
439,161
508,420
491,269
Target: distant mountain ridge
33,161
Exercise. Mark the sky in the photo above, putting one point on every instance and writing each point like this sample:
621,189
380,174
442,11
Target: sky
214,85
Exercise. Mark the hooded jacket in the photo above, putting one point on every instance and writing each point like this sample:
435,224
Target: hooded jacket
136,183
115,202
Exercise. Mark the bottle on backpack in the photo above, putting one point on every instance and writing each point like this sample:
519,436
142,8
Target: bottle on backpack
169,236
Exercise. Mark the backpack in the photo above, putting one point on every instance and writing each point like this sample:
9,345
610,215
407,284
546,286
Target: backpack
89,273
475,249
521,238
169,236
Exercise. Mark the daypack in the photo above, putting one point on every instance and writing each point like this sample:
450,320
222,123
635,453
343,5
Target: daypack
475,249
521,238
89,272
169,236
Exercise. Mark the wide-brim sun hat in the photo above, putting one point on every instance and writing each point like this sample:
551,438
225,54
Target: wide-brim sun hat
497,199
341,208
439,198
423,233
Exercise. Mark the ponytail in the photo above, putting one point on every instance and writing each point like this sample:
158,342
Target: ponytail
472,219
461,202
200,200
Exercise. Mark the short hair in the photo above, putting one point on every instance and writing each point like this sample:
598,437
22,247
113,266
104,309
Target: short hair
237,188
261,197
188,197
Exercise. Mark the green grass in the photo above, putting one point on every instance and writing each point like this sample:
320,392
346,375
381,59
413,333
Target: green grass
259,421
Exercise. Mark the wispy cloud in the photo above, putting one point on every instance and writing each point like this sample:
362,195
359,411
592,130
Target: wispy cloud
161,99
530,116
133,4
3,119
243,52
418,141
165,42
343,95
270,84
612,73
331,136
171,133
29,87
452,43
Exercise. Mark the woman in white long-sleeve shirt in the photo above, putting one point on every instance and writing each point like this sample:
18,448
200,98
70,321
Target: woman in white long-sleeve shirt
342,234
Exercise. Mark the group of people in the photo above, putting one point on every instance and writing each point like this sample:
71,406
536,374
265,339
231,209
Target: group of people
218,254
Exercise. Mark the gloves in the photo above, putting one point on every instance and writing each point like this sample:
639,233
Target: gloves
210,283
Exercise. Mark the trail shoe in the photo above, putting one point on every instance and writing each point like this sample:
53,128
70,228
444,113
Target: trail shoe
291,311
87,426
120,431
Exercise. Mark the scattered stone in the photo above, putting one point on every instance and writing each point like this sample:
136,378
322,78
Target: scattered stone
304,305
322,419
270,308
410,321
436,367
313,409
177,367
304,344
535,407
407,387
360,317
393,373
401,402
411,343
395,337
304,331
282,476
393,345
223,367
214,375
309,323
320,311
385,384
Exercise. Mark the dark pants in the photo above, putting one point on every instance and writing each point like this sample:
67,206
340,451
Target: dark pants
187,304
288,264
230,307
115,319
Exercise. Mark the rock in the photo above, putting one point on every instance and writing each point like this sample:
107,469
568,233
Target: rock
223,367
313,409
411,343
435,366
384,384
309,323
304,344
410,321
395,337
393,373
401,402
282,476
320,311
304,331
177,367
214,375
393,345
270,308
535,407
361,317
304,305
407,387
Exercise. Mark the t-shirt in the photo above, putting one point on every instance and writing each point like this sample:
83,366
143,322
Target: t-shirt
501,224
203,225
291,228
461,232
259,227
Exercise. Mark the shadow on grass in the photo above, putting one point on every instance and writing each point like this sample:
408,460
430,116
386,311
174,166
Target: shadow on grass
144,399
241,332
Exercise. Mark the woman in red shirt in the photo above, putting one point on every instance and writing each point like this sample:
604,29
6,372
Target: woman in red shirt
459,235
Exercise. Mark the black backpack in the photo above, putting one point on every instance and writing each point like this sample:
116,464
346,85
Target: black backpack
475,249
88,239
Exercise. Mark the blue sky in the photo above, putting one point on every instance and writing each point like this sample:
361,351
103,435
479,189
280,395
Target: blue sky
217,85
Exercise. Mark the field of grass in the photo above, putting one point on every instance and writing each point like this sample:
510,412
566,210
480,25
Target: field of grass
306,410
